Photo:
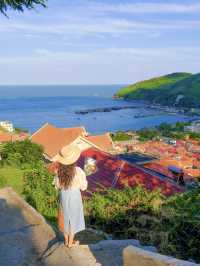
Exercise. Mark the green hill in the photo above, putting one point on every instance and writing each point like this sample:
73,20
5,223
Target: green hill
180,89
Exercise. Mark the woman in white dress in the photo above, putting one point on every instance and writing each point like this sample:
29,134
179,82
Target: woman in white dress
70,180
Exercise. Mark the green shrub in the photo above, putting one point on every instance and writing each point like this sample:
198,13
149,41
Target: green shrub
21,152
172,224
181,220
194,135
19,130
117,211
148,134
39,191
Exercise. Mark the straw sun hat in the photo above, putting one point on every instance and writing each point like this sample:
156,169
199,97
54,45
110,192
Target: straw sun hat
68,155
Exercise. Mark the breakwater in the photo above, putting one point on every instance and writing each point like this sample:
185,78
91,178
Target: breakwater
103,109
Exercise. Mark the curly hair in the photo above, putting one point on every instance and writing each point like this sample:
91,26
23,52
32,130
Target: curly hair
66,174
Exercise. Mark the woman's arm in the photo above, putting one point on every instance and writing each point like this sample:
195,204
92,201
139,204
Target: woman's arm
83,180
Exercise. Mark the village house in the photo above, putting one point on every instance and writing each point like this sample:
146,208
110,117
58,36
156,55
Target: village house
112,170
184,155
6,137
53,139
194,127
7,125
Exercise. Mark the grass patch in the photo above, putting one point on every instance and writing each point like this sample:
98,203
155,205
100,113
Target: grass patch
120,136
11,177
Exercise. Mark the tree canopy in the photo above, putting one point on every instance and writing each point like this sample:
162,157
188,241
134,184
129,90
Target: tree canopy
19,5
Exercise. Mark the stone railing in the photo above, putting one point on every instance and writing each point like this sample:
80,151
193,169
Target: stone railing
134,256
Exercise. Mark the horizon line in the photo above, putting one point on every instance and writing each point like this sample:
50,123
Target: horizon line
84,84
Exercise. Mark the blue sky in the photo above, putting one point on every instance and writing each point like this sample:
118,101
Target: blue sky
99,42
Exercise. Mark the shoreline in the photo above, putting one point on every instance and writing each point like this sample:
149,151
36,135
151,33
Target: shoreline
33,114
160,108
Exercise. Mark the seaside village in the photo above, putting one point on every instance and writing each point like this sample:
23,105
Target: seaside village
29,232
169,165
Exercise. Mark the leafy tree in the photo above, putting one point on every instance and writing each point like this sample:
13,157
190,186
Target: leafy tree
19,130
19,5
194,135
21,152
179,126
148,134
164,127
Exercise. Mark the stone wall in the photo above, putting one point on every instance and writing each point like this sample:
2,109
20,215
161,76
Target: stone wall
133,256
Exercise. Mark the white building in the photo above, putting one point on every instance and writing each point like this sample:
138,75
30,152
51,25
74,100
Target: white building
194,127
7,125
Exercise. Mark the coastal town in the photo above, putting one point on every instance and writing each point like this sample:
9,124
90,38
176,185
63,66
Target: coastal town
99,133
139,182
155,164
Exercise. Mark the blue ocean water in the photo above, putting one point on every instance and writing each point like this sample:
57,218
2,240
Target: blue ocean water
31,106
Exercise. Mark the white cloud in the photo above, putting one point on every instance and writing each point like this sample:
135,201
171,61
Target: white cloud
112,65
139,54
94,43
147,7
100,26
90,18
42,52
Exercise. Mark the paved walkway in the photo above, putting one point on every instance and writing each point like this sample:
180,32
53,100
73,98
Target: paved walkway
26,239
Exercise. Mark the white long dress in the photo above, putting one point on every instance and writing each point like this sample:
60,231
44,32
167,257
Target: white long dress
71,202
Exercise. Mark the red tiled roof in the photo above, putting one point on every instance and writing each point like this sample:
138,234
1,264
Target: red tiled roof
158,168
104,142
53,139
5,137
164,170
116,173
79,130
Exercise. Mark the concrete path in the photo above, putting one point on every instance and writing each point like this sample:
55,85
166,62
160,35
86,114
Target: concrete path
26,239
24,233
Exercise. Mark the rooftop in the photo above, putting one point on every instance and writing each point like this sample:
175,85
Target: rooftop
53,139
116,173
6,137
104,142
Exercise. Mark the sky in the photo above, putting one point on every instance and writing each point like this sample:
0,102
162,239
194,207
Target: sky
99,41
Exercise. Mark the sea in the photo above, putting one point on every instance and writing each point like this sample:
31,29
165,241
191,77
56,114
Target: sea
29,107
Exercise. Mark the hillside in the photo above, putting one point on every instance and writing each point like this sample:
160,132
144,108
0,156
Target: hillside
180,89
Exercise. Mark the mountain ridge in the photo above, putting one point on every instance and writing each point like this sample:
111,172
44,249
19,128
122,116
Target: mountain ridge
177,89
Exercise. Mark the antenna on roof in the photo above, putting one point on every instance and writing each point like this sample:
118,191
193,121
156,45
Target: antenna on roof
117,174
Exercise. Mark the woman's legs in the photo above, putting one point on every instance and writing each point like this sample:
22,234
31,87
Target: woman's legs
66,236
71,241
